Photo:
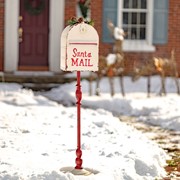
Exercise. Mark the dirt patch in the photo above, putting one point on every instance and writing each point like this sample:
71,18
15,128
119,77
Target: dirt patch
168,140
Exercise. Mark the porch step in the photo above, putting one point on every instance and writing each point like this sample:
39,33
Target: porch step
38,78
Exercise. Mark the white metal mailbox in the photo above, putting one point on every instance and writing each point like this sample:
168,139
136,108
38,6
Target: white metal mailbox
79,48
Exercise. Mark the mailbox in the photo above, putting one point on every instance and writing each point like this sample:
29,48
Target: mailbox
79,48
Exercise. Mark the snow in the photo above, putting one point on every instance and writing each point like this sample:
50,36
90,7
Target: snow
111,59
38,131
118,33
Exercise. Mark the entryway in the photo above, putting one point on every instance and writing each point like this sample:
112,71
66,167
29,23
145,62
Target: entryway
33,34
54,25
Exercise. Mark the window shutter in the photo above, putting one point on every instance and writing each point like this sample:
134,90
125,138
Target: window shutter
160,21
109,13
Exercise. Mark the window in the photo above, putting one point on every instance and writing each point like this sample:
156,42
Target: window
145,21
135,18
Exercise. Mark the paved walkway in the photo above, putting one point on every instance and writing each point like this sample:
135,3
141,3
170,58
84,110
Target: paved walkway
167,139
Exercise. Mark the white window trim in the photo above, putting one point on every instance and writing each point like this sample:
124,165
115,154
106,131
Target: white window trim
141,45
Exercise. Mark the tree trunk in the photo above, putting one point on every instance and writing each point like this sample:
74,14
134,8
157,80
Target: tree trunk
111,82
122,85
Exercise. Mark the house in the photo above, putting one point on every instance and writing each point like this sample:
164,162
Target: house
30,30
153,27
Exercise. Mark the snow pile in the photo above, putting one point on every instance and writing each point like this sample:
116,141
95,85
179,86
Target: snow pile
163,111
38,137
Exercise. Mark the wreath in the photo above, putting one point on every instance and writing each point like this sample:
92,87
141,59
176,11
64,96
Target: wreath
34,10
74,21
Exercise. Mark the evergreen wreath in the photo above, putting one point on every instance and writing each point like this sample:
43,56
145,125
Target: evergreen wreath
74,21
34,10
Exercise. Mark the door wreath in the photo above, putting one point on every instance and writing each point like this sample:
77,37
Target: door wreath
34,10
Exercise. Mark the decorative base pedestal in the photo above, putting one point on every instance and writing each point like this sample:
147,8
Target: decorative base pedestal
79,172
83,172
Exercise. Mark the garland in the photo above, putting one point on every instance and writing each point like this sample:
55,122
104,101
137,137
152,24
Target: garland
84,7
74,21
34,10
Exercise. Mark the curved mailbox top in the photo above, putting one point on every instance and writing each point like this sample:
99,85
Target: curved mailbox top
79,48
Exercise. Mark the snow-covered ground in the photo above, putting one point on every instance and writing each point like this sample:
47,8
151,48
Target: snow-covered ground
38,135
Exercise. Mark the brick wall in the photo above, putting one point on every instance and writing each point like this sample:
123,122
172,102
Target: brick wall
70,10
161,50
105,48
1,34
131,58
174,31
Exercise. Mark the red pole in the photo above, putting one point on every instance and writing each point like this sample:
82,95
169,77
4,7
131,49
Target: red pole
78,103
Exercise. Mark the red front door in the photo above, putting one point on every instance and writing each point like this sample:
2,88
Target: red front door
33,34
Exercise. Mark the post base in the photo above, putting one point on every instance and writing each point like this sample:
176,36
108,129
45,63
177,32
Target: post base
79,172
83,172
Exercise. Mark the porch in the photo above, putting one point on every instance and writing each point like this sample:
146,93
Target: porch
37,80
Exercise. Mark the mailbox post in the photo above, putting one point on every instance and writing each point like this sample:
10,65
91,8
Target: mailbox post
79,52
78,97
